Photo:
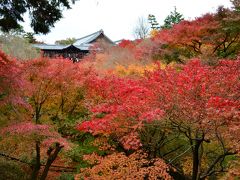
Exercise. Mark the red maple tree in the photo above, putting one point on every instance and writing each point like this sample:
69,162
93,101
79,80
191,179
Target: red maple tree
199,101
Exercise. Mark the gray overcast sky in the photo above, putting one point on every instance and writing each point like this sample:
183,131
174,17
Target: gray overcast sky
118,17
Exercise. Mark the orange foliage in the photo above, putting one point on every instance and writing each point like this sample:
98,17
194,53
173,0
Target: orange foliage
119,166
153,33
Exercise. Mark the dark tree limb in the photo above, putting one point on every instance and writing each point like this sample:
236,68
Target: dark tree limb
52,155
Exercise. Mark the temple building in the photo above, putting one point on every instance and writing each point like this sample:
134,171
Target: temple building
77,50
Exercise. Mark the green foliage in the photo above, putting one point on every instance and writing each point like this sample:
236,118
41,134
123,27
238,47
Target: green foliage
66,176
229,20
30,37
12,171
2,95
83,147
162,140
236,4
100,115
153,22
174,18
67,125
159,140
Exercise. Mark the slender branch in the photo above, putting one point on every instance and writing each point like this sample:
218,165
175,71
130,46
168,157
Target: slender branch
222,43
173,150
30,164
234,40
209,171
180,155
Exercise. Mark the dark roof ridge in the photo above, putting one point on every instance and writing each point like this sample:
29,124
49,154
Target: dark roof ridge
100,31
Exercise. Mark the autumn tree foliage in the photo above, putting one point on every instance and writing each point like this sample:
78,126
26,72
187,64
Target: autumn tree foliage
55,91
127,116
10,81
52,91
54,86
209,37
196,108
135,69
199,102
48,143
188,39
120,166
116,99
205,112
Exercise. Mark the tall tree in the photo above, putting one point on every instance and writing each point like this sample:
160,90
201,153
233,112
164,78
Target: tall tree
43,13
173,18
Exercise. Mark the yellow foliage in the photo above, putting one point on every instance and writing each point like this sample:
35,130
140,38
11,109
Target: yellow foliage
154,32
136,70
187,165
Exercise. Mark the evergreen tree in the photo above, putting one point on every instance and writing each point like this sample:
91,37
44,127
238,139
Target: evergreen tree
30,37
153,22
174,18
43,13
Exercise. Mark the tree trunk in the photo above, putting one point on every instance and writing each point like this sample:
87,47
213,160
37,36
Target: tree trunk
37,164
37,114
196,160
51,158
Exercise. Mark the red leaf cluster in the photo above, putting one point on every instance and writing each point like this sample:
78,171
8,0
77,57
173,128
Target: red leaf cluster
194,93
11,82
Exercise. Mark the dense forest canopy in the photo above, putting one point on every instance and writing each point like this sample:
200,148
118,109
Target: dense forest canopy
163,107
